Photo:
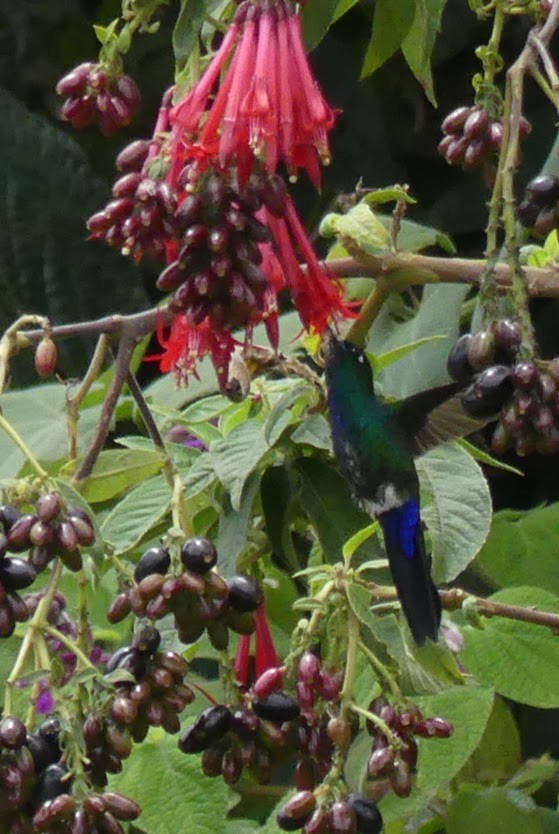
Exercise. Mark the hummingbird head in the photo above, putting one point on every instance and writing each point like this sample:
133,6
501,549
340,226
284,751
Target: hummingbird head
342,354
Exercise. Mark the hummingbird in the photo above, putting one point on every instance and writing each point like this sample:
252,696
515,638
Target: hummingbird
375,443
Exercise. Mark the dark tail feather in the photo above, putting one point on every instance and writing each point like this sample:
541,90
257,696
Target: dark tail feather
403,539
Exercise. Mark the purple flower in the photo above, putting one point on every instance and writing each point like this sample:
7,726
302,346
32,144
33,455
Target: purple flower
44,702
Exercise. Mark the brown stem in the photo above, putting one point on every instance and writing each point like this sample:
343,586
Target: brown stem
73,403
143,408
122,364
454,599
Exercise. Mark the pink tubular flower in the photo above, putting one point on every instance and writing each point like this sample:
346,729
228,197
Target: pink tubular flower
265,656
187,343
267,105
315,293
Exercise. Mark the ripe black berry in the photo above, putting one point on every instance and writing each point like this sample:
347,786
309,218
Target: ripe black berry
244,593
210,726
12,732
198,555
489,391
277,707
458,364
8,517
153,560
369,819
50,784
15,574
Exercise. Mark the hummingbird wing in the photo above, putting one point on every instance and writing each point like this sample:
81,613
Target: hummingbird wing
436,416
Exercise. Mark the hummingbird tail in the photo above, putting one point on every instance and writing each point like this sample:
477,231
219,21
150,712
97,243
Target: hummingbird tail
405,546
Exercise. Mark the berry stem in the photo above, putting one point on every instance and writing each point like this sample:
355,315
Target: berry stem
73,404
32,633
380,725
20,443
382,670
70,645
124,354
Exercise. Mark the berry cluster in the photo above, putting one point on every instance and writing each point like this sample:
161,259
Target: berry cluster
140,220
96,814
217,269
391,768
154,697
472,137
92,95
315,682
50,530
539,209
198,598
525,395
35,788
354,813
234,740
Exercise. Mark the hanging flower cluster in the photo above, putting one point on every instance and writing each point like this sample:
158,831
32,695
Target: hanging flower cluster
204,199
267,105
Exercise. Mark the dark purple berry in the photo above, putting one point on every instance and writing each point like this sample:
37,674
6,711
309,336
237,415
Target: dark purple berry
198,555
153,560
369,819
543,191
244,593
458,364
489,392
277,707
12,732
15,574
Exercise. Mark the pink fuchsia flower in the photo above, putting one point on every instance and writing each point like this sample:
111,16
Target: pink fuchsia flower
187,343
291,263
258,99
248,668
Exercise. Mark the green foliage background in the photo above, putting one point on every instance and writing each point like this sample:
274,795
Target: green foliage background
274,462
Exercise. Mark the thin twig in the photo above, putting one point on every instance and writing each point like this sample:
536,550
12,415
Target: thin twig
455,598
73,403
122,364
145,412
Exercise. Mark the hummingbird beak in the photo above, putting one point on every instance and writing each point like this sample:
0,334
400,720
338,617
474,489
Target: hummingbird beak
327,345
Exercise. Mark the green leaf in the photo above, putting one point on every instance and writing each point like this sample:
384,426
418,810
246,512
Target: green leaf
299,392
413,237
360,227
317,19
520,660
277,501
355,541
38,414
391,22
199,476
420,40
138,512
233,527
187,29
456,507
549,820
116,470
438,313
343,7
522,548
390,356
478,809
237,455
170,786
325,497
314,430
498,754
441,759
489,460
